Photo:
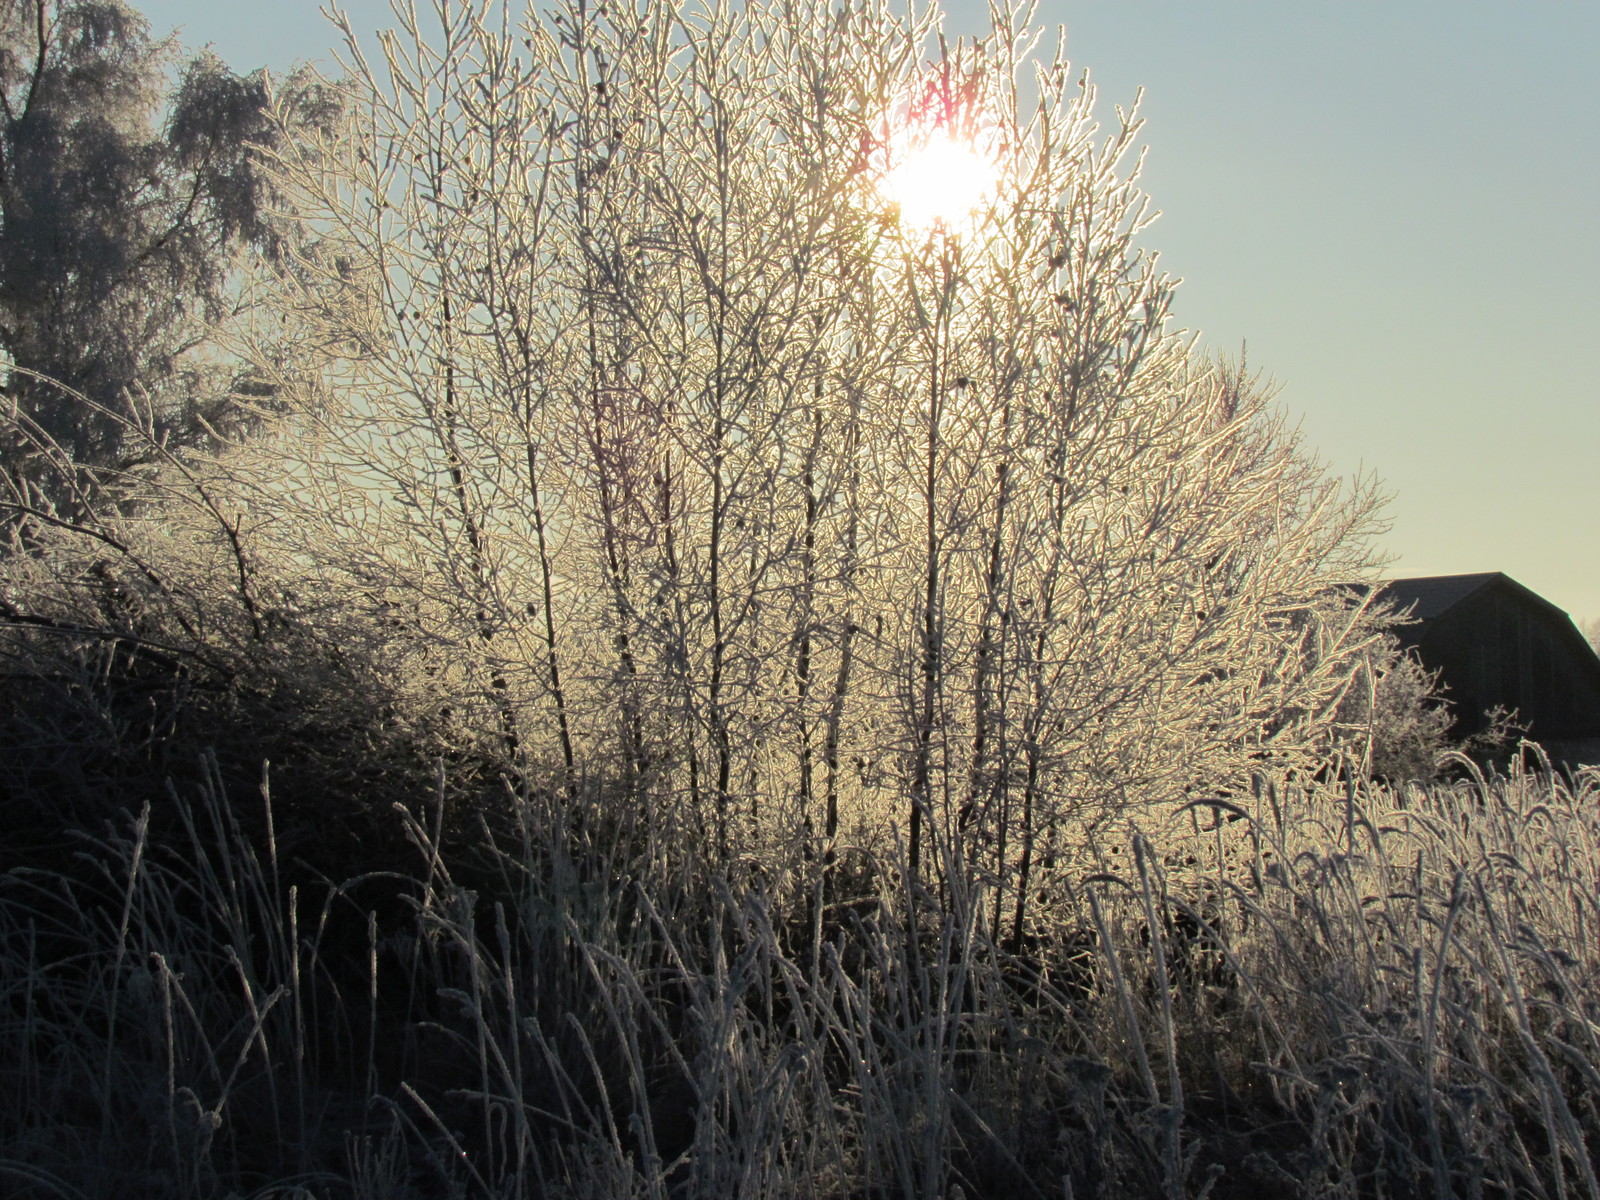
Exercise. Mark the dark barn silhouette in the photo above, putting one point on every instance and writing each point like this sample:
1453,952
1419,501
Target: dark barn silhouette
1495,642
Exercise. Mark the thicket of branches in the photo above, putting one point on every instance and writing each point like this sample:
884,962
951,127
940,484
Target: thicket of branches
676,464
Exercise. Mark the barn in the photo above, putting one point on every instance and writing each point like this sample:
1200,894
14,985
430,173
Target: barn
1495,642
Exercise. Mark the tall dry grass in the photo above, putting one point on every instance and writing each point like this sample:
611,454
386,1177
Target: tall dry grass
1333,990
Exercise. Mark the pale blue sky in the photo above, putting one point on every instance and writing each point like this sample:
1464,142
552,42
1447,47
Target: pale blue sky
1393,201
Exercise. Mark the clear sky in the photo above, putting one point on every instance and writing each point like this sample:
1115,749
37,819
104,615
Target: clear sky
1394,204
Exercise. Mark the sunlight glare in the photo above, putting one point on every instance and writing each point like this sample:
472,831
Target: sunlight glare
939,181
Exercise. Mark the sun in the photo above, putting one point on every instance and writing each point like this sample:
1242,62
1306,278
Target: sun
939,181
938,162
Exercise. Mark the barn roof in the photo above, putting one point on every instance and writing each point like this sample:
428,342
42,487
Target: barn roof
1435,594
1430,596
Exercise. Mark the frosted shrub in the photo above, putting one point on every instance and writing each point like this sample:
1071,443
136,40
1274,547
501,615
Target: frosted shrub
684,457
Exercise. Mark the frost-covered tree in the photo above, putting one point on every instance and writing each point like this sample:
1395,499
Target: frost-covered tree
123,203
700,462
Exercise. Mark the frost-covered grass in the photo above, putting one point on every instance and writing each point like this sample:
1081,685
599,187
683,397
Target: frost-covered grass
1330,991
